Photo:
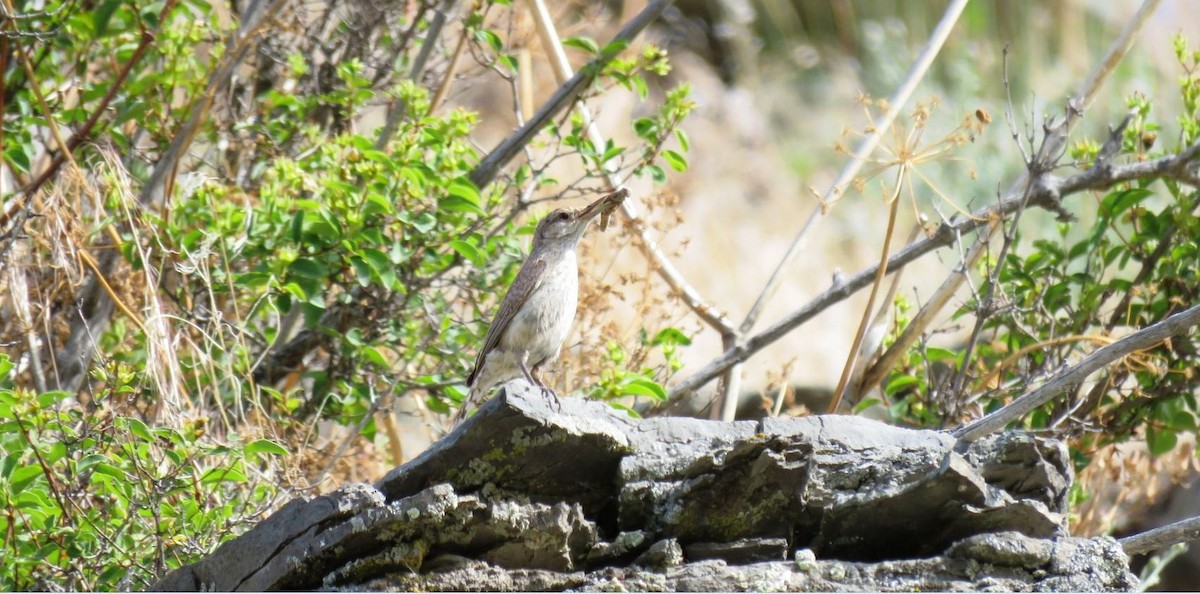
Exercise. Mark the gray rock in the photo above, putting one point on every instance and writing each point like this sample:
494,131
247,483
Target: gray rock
740,552
1009,549
661,555
523,496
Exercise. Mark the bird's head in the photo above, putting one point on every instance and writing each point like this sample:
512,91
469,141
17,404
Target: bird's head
569,224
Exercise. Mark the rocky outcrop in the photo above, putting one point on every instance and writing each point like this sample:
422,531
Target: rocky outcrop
527,495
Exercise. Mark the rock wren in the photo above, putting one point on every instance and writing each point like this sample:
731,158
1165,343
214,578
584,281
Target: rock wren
536,314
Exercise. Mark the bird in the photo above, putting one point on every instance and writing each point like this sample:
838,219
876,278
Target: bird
537,312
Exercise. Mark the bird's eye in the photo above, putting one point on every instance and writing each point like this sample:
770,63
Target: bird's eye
562,216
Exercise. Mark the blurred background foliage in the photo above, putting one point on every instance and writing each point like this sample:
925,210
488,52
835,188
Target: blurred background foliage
264,270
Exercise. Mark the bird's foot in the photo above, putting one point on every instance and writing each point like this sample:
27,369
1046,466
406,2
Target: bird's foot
552,397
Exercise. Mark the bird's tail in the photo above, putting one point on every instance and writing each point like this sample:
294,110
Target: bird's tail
469,403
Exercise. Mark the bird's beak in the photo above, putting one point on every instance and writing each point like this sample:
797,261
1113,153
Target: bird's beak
604,207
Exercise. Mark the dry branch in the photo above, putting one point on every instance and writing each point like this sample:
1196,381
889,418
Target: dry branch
158,186
1164,536
1142,339
568,92
1047,191
85,130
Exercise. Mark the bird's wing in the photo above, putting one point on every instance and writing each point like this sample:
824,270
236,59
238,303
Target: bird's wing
528,279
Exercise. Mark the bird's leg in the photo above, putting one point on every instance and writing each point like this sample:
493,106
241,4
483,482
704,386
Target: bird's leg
521,361
550,395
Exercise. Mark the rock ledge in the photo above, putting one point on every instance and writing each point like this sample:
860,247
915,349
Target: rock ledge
524,496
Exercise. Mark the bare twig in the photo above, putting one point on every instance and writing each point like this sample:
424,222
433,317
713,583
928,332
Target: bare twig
567,93
1151,574
1053,144
449,76
158,186
897,102
730,387
1145,338
36,89
985,308
418,68
880,272
1046,192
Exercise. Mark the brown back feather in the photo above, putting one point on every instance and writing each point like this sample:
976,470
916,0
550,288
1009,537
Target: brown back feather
528,279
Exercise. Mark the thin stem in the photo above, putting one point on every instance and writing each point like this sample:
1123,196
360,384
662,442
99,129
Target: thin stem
446,80
897,102
924,318
880,273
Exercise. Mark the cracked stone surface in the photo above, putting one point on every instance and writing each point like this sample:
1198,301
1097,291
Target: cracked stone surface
523,496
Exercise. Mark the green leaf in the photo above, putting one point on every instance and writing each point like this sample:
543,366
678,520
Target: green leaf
52,398
265,446
670,336
106,469
138,428
468,251
940,354
36,499
898,383
508,61
21,477
373,355
582,43
463,188
1057,296
424,222
459,204
380,264
378,203
612,153
633,414
640,87
489,38
150,13
7,464
219,475
645,128
644,387
298,226
656,173
18,157
102,15
1118,202
1182,420
308,269
683,139
615,47
252,280
6,366
363,272
1160,442
675,160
